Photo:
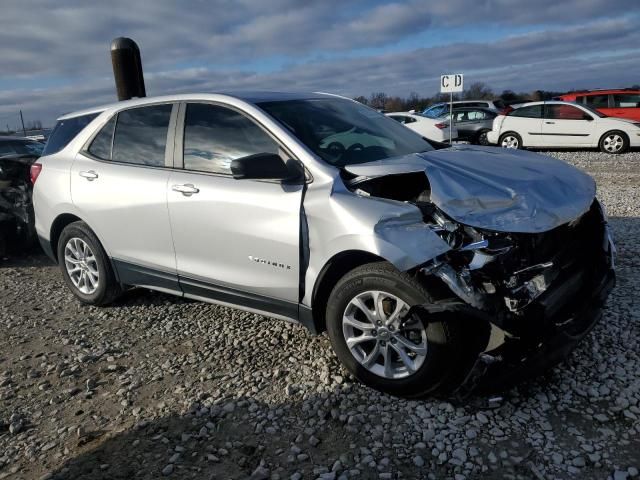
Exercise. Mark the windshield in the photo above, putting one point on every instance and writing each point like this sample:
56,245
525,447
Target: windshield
20,147
343,132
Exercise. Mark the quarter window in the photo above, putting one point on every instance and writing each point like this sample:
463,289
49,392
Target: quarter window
214,136
141,135
101,145
532,111
626,100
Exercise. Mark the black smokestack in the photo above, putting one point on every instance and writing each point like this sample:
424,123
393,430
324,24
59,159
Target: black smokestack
127,68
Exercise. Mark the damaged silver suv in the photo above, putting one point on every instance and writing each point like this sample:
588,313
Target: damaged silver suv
434,271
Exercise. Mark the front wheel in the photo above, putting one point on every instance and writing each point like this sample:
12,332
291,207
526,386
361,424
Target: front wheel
482,139
85,265
510,140
614,142
378,343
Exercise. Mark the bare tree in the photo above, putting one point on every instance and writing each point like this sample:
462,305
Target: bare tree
362,99
479,91
378,100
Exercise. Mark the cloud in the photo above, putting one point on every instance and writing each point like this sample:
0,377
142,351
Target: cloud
55,55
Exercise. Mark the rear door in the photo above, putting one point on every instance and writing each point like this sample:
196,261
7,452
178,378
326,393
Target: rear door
236,241
119,186
566,126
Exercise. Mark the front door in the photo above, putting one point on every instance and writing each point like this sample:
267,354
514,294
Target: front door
566,126
236,241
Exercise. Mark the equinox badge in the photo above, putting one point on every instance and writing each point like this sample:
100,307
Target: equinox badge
269,262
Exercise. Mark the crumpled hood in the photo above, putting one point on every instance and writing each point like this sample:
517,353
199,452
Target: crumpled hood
494,188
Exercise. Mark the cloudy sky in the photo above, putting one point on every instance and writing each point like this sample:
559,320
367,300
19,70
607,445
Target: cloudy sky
54,55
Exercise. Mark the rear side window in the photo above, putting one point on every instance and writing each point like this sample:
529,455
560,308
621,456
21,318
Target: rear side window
102,143
532,111
141,135
65,131
215,136
626,100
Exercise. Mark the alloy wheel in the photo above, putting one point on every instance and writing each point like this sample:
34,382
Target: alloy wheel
613,143
81,265
510,142
380,338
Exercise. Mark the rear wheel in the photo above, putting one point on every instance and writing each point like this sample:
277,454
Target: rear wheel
510,140
377,342
614,142
85,266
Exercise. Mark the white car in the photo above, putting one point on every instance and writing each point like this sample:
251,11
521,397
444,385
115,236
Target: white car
435,129
564,125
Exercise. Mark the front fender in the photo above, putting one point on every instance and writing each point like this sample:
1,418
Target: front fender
394,231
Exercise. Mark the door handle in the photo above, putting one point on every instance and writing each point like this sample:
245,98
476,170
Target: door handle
89,175
187,189
550,123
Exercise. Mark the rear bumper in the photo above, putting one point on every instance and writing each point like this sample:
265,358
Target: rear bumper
46,247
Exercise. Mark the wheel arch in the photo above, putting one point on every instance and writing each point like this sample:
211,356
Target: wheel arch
614,130
57,226
510,132
332,271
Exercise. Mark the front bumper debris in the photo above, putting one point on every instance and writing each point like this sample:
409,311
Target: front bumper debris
521,358
540,311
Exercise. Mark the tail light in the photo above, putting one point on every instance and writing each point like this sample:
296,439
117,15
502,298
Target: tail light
441,125
36,168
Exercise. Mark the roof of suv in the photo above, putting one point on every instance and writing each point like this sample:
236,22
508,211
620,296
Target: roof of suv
601,91
249,96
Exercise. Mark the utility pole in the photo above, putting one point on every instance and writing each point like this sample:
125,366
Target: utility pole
24,132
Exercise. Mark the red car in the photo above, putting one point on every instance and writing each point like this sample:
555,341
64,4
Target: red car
623,103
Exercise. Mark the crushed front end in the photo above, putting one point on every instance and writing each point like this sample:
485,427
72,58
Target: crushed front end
540,293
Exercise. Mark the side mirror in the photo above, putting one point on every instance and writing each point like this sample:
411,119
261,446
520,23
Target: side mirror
265,166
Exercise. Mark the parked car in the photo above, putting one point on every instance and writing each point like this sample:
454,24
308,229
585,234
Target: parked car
472,123
428,268
17,224
433,129
558,124
622,103
434,111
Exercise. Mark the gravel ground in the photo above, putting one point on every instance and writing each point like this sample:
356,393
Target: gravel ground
157,386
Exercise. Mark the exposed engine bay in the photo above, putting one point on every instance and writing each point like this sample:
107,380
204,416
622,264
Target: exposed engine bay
527,286
16,207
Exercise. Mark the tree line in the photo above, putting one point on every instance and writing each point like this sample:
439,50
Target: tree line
476,91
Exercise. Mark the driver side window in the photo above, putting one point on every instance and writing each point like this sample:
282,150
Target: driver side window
214,136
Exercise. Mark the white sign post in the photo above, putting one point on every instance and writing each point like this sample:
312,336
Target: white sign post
451,84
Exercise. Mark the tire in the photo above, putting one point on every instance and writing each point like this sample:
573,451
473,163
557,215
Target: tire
441,339
79,248
510,140
614,142
481,138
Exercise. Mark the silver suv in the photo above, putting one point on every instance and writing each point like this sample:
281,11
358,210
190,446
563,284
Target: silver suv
433,271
